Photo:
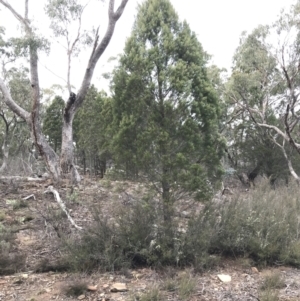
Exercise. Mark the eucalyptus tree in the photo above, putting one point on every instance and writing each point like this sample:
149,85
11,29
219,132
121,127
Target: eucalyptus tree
264,84
14,134
165,108
62,14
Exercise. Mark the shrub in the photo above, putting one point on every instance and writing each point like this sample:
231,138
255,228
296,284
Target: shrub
2,216
75,288
269,295
170,285
136,238
262,225
198,239
153,294
271,283
97,248
10,260
186,286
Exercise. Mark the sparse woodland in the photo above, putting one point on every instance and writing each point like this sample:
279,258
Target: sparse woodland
182,175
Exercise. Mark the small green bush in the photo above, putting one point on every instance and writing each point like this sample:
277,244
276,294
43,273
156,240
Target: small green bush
97,248
73,197
2,216
269,295
136,238
19,204
153,294
272,281
262,225
75,288
186,286
10,260
170,285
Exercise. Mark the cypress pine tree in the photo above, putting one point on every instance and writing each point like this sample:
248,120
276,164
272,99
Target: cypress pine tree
91,129
165,109
52,124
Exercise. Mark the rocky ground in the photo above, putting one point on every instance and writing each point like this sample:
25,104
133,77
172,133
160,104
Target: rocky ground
25,209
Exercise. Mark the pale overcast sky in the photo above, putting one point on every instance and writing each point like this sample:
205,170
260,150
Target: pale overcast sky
217,23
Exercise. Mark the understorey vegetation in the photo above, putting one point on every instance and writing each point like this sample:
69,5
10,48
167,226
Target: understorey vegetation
181,165
256,226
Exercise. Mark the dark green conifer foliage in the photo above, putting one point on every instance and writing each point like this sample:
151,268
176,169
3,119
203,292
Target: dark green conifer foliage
165,109
92,130
52,125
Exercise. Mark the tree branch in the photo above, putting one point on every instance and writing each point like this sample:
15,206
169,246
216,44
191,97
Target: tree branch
62,206
96,53
288,132
12,104
71,49
26,10
17,15
276,129
289,162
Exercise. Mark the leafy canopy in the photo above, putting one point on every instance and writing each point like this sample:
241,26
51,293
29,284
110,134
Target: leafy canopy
165,109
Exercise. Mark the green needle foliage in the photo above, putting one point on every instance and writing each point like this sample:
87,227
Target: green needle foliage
92,128
52,125
165,109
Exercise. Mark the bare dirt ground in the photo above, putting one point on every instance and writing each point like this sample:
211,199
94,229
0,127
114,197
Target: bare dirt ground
36,233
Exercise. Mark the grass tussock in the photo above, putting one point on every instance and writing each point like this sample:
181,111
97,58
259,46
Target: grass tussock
153,294
272,282
11,261
269,295
186,286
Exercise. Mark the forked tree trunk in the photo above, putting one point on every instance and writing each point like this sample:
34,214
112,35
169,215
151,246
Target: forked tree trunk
66,162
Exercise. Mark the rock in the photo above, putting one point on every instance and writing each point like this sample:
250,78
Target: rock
81,297
118,287
92,288
185,214
254,270
224,278
45,175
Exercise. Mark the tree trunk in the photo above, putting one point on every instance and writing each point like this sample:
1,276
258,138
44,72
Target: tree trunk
5,154
166,198
66,163
84,162
67,150
50,157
